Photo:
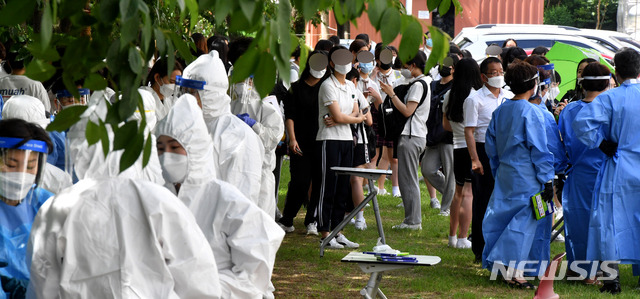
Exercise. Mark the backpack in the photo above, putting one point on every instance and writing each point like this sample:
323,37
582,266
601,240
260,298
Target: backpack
436,132
391,122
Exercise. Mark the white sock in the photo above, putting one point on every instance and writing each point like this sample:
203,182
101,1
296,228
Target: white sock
462,239
452,238
395,190
360,215
434,198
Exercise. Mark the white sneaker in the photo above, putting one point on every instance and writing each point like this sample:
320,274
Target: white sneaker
333,244
435,204
286,229
444,213
361,224
463,244
352,221
407,226
398,195
453,241
559,214
312,229
382,192
342,240
559,238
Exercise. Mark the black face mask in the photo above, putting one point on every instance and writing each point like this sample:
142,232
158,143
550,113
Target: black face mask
445,72
385,66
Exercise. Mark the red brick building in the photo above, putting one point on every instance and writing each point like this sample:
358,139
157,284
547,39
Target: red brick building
475,12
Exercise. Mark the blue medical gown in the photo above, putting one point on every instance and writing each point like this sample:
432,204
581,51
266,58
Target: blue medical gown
15,226
516,144
614,227
578,188
58,155
554,142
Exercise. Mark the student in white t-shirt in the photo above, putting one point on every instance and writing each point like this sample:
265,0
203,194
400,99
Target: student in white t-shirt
413,139
337,109
18,84
466,80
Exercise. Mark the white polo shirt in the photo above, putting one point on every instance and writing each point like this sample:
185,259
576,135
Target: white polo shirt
389,78
418,123
346,95
457,127
478,109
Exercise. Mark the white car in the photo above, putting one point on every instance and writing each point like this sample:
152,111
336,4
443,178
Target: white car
477,39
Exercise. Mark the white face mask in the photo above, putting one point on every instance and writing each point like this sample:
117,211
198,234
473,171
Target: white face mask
554,92
317,74
174,167
497,81
167,90
406,73
343,69
16,185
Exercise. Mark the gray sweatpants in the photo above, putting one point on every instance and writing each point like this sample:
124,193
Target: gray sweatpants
409,150
445,182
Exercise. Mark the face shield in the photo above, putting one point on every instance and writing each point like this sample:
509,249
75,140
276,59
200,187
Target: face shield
190,86
65,99
21,167
242,90
547,81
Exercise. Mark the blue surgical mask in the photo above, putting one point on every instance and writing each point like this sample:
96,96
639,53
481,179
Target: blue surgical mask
429,42
366,68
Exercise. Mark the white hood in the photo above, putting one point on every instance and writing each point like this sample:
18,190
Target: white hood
209,68
26,108
185,124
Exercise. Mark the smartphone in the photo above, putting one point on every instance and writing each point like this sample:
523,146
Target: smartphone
326,116
365,110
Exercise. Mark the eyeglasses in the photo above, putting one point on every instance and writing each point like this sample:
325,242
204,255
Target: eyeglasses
495,73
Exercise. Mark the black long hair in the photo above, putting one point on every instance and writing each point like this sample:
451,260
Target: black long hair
306,73
465,77
18,128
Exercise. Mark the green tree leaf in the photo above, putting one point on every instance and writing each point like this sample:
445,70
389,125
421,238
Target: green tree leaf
440,47
66,118
95,82
135,60
46,27
92,134
411,40
267,70
125,135
444,6
433,4
245,65
131,152
104,138
146,154
248,7
375,10
392,25
16,12
39,70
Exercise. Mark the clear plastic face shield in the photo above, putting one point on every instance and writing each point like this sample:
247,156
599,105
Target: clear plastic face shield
21,167
242,90
64,98
190,86
547,81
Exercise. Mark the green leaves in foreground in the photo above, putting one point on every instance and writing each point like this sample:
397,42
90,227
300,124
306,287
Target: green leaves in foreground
440,47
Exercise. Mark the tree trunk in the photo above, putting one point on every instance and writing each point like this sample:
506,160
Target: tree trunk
598,15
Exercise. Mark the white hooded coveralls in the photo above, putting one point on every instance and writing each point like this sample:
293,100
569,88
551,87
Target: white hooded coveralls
237,150
244,238
114,236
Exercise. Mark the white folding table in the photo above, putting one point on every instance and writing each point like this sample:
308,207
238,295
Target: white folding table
369,264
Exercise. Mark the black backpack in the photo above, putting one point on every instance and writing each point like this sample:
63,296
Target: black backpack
391,121
436,132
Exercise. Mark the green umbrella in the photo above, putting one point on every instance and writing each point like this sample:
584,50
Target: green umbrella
565,58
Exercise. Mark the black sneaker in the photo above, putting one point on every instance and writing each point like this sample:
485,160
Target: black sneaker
613,288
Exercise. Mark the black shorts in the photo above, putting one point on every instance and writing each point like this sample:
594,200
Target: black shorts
462,166
358,155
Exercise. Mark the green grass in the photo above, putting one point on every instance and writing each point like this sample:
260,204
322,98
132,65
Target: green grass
300,272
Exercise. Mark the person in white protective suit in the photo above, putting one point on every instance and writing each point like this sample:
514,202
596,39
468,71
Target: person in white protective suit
237,150
265,120
77,144
244,238
113,235
31,109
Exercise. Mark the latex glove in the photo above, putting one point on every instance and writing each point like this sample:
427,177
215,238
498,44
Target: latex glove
608,148
15,288
559,183
547,193
247,119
